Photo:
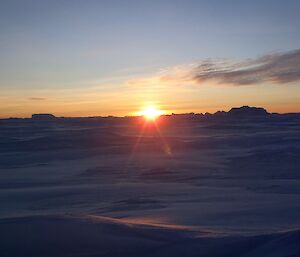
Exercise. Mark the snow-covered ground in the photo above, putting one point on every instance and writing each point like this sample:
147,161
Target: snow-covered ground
183,187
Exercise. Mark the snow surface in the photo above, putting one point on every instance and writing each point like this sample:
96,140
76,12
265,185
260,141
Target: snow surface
117,187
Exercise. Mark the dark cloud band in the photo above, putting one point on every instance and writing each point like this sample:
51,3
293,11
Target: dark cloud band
37,98
277,68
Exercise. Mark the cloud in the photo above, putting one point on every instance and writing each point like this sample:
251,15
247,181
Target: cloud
168,77
37,98
276,68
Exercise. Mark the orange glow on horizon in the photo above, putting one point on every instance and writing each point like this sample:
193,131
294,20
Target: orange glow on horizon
151,113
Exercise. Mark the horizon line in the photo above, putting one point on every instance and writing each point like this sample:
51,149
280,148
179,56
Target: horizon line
136,116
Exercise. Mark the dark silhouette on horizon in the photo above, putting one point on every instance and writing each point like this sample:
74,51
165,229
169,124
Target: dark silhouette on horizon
242,112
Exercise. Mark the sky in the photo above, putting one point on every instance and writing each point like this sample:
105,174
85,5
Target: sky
90,58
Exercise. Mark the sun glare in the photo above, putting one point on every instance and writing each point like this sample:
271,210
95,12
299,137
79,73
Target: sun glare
151,113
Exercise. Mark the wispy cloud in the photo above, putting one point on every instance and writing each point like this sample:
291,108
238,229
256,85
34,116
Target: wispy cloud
277,68
173,76
37,98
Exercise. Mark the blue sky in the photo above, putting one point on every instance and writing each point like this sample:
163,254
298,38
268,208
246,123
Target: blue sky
49,48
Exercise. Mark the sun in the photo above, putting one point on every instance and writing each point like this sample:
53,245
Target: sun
151,113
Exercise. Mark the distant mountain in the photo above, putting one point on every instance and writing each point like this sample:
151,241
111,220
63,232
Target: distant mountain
243,112
247,111
43,116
